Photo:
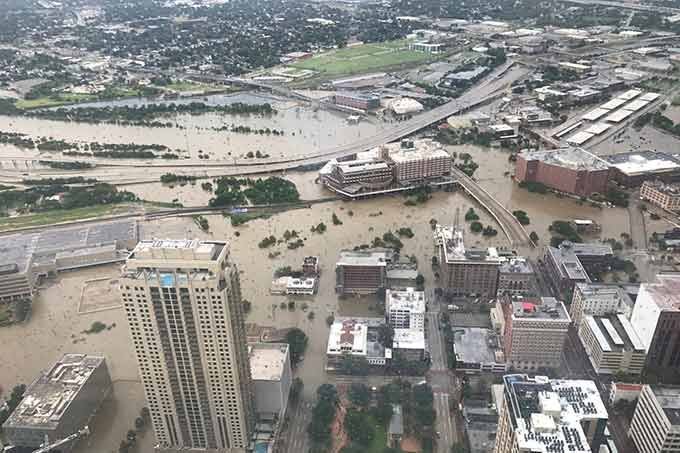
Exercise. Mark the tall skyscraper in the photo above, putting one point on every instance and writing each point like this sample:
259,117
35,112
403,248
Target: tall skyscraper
183,304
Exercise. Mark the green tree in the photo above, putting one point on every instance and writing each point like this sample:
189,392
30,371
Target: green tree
385,335
359,394
476,227
359,427
420,281
297,341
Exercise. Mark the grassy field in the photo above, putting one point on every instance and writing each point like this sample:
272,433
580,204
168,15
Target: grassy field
54,100
363,58
379,439
184,85
59,216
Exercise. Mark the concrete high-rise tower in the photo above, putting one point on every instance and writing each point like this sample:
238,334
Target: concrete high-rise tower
183,303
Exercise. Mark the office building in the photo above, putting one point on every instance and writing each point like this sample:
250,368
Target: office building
416,160
656,317
425,47
362,272
516,278
570,263
405,309
358,101
465,272
534,331
481,424
310,266
540,415
569,170
655,427
183,304
60,402
272,379
612,345
632,169
658,193
599,299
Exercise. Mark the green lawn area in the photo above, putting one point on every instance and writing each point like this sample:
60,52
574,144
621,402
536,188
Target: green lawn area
185,85
363,58
59,216
54,100
379,440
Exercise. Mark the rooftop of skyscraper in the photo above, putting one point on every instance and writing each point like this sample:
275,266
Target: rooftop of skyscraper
451,240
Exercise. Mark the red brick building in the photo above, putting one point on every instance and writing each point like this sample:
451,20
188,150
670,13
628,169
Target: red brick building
570,170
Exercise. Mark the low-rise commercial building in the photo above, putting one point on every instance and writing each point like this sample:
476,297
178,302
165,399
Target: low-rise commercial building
272,378
623,391
357,338
25,257
409,344
632,169
612,345
478,350
516,278
405,309
362,272
655,427
665,196
310,266
599,299
465,272
426,47
534,331
656,317
570,170
543,415
60,402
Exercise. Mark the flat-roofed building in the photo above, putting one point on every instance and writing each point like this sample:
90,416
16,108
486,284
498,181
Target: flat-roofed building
541,415
632,169
612,345
465,272
516,278
665,196
478,349
571,170
655,427
60,402
272,378
534,331
624,391
357,100
362,272
346,337
24,257
405,309
656,317
599,299
571,262
409,344
417,160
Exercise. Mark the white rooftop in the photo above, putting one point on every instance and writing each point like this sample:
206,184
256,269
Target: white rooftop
618,116
613,104
595,114
598,128
409,339
405,300
347,336
267,360
579,138
635,105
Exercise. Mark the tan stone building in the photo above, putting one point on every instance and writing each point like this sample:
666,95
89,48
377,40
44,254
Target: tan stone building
665,196
534,331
